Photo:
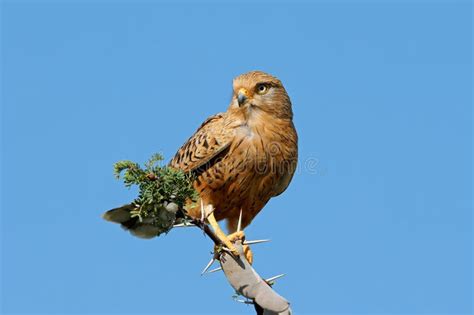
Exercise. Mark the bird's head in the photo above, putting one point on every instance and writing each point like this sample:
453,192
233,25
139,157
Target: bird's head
259,91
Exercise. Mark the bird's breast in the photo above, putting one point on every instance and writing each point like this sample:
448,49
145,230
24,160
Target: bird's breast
257,166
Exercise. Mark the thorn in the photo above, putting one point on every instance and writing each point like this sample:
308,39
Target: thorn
239,225
228,251
243,301
255,242
184,225
225,249
209,264
215,270
202,211
272,279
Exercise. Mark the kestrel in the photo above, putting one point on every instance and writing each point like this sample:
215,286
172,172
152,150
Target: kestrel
242,157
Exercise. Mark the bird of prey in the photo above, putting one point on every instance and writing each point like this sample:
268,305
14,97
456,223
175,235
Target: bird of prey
242,157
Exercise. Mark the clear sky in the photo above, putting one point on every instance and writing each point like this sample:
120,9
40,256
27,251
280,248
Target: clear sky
378,218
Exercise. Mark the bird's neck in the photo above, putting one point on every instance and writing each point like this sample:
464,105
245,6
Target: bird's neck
252,121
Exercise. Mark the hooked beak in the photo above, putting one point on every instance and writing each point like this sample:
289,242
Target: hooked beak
242,96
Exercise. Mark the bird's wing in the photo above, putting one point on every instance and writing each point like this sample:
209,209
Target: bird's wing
209,142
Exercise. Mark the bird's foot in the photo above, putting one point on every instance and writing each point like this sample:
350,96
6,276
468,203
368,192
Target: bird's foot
228,241
240,236
227,245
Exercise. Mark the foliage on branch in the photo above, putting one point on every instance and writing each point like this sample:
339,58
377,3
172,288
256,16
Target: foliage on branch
163,191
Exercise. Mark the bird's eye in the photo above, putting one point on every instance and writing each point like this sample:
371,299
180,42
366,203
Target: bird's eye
262,88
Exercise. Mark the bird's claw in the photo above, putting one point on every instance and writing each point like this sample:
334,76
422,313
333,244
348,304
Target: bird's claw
230,249
240,236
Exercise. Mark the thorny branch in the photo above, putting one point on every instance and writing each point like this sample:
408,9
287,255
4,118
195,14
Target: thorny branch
245,280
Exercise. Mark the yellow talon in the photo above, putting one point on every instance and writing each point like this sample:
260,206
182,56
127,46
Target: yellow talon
229,240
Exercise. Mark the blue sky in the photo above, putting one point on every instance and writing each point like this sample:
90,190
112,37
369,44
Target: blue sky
378,218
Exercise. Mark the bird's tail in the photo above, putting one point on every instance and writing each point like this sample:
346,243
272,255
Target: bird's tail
138,228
